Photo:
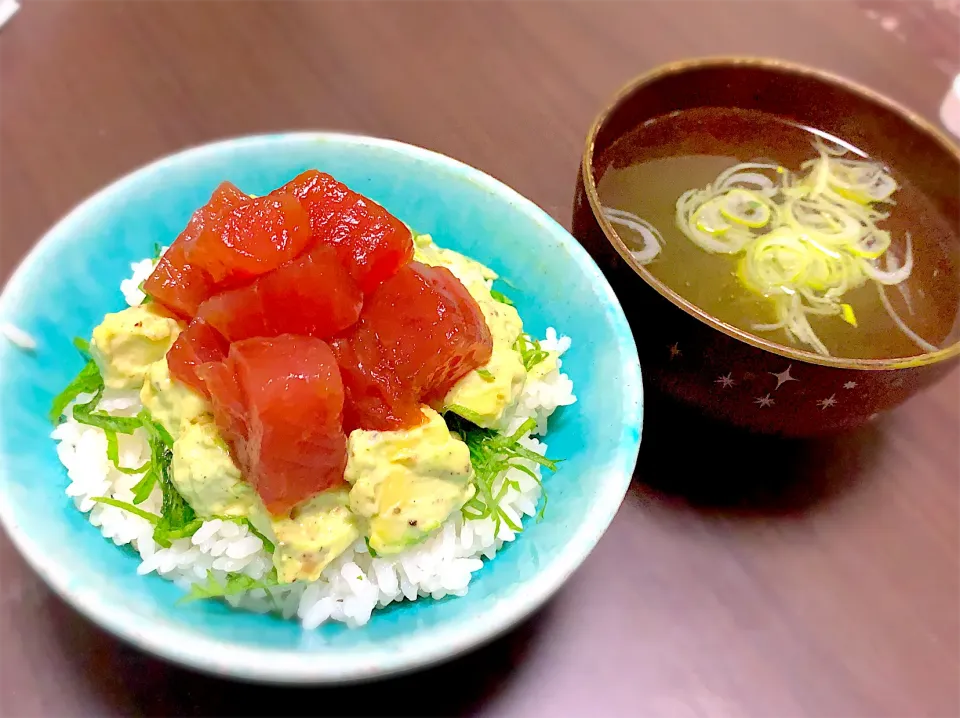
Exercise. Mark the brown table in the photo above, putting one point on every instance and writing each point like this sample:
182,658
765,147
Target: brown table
824,583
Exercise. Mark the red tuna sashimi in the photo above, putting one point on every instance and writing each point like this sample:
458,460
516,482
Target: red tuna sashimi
374,398
289,441
312,294
252,238
371,242
198,344
418,334
177,283
229,407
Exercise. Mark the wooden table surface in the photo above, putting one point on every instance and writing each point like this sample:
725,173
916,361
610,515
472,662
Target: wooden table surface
822,583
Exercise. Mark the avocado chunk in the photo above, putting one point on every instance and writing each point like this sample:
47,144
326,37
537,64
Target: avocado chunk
406,483
204,473
483,395
540,370
316,532
126,343
171,403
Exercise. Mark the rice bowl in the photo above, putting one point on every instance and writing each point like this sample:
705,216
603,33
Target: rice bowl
69,280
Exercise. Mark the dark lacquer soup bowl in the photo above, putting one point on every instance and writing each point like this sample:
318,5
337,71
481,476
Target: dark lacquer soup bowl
733,375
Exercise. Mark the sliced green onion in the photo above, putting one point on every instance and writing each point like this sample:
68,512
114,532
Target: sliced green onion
893,274
468,414
652,239
746,208
848,314
709,217
804,239
88,381
152,518
486,374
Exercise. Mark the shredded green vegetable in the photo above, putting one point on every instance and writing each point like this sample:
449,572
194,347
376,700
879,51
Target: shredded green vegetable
113,453
82,346
143,488
86,414
235,583
491,454
468,414
177,518
151,517
268,545
88,381
500,297
530,351
485,374
157,253
155,429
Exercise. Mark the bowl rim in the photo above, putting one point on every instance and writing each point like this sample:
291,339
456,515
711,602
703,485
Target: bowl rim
784,66
189,646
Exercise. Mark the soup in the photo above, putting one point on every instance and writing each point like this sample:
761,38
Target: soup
897,290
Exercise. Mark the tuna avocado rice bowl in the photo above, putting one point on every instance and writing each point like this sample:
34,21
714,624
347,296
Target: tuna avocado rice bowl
309,409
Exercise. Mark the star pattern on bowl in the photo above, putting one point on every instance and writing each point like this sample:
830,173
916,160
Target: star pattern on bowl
783,377
828,402
726,381
752,382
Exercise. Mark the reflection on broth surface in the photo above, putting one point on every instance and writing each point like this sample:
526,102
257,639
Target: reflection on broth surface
647,171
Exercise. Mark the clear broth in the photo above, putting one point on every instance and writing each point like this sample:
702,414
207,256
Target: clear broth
647,170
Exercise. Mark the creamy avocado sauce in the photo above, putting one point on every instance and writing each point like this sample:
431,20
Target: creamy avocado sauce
173,404
207,477
403,484
315,533
406,483
126,343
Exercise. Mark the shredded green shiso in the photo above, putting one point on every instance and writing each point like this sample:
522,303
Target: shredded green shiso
157,253
531,353
88,381
151,517
529,349
491,454
235,583
177,519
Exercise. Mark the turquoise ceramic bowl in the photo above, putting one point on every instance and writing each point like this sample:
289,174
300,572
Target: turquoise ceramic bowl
71,280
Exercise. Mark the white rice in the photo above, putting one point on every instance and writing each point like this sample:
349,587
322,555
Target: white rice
355,584
130,288
19,338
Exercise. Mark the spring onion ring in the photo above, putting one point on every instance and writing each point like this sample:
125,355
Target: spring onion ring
803,239
652,239
914,337
744,208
